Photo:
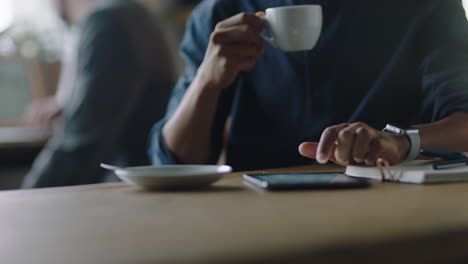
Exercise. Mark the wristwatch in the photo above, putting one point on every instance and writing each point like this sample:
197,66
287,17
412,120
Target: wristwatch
413,137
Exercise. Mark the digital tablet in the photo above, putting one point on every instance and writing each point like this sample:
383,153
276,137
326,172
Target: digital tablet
282,181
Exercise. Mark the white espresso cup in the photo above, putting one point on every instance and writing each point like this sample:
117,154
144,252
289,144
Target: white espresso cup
294,28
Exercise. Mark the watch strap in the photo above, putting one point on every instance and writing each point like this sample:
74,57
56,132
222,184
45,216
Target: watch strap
415,145
413,138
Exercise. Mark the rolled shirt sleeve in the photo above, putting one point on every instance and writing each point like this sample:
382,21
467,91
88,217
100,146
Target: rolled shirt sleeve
193,48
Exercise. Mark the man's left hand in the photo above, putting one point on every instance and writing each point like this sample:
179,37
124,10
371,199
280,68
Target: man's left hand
357,144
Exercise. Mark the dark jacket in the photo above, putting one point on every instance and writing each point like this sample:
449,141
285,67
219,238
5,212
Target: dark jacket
124,75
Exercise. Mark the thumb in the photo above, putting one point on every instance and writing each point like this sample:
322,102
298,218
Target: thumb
308,149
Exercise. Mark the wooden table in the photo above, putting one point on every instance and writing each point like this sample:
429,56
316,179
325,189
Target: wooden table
232,223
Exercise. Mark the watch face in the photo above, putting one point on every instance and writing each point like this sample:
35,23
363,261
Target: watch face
401,130
394,129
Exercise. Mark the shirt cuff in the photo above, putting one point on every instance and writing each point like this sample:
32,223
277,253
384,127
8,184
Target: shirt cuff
159,152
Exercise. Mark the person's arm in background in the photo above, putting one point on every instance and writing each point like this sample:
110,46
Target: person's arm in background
444,53
93,118
186,135
44,112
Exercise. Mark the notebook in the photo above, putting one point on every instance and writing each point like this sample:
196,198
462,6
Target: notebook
416,171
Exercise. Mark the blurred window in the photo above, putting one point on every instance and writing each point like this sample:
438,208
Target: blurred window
31,44
15,94
465,4
6,14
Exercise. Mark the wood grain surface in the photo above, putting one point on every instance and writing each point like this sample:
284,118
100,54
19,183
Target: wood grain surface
231,222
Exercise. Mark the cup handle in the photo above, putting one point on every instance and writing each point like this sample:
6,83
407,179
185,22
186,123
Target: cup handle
267,39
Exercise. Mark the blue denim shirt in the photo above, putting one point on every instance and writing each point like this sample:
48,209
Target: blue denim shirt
390,61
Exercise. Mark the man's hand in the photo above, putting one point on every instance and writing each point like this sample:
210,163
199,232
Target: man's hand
356,144
234,46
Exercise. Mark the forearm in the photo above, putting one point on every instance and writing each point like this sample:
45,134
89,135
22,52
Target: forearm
233,47
360,144
450,133
188,132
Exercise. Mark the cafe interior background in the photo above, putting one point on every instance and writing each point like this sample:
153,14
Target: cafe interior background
31,47
31,38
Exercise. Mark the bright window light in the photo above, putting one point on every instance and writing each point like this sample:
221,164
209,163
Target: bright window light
6,14
465,4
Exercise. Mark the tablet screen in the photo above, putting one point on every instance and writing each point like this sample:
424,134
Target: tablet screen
303,180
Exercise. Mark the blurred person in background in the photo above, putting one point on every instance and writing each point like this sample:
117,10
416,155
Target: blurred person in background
117,75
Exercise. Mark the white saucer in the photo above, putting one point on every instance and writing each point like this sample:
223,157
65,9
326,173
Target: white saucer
172,176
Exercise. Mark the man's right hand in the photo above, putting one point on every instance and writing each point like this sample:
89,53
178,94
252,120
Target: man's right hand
234,46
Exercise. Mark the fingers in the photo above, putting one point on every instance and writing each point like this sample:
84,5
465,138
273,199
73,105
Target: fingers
241,19
346,143
238,55
235,46
326,146
377,148
361,146
237,34
308,149
240,50
356,143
